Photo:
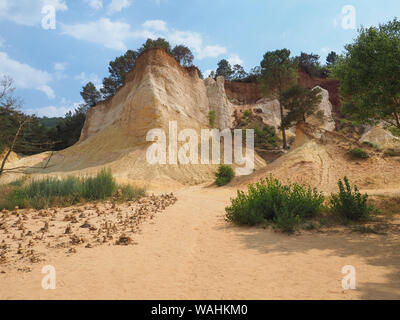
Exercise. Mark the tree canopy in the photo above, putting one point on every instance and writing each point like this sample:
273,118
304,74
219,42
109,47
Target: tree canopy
300,103
369,75
183,55
90,95
278,72
118,68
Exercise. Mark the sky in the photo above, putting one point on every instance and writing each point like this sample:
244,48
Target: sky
51,48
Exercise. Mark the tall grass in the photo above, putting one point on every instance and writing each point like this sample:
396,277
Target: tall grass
39,194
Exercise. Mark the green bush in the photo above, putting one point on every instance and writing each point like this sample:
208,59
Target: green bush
211,118
395,131
129,193
270,200
247,113
39,194
358,153
349,203
392,153
224,175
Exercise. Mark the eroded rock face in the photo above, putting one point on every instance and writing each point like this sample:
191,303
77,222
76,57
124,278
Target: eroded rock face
219,102
323,117
384,139
269,110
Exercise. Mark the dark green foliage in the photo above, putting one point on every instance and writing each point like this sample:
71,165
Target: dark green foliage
69,130
50,123
264,136
300,102
224,175
90,95
309,63
270,200
368,74
48,192
18,132
247,113
183,55
238,73
118,69
160,43
278,72
349,203
224,69
395,131
358,153
331,59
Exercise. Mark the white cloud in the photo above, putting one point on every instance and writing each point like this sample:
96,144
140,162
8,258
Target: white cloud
53,111
27,12
60,66
118,5
25,76
211,52
85,78
325,50
95,4
235,59
114,34
194,41
110,34
157,25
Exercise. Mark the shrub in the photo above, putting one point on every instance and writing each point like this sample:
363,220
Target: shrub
224,175
370,144
247,113
129,193
211,118
395,131
392,153
269,200
349,203
39,194
358,153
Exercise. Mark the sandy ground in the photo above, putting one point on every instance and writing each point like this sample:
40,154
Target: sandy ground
188,251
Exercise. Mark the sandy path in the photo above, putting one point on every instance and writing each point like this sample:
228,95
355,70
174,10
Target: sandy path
190,252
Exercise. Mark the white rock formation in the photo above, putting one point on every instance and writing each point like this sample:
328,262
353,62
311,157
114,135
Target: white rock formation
269,110
219,102
325,108
384,139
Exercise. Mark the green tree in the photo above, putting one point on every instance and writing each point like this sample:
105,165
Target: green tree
224,69
238,72
300,103
18,132
90,95
278,72
183,55
118,69
331,59
160,42
369,75
309,63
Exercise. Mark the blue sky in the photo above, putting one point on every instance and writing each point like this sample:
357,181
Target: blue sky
49,66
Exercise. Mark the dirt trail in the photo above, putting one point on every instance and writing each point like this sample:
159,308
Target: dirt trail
190,252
